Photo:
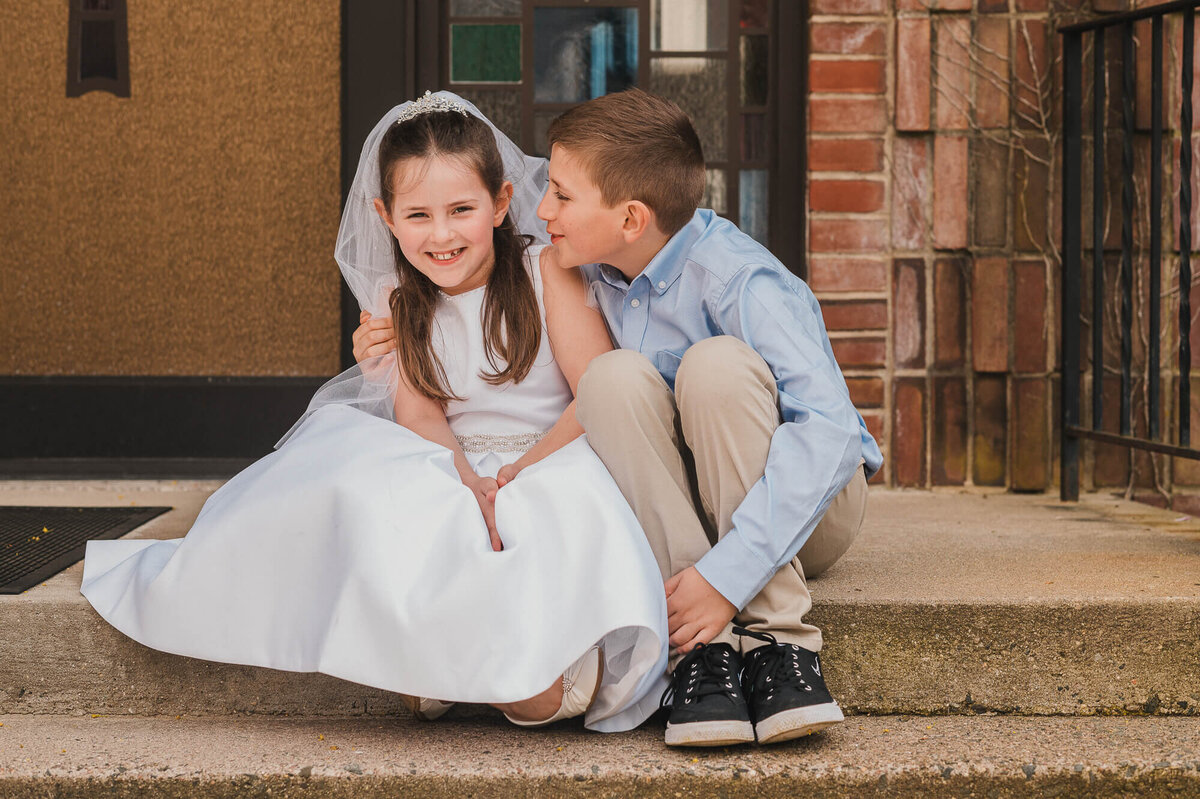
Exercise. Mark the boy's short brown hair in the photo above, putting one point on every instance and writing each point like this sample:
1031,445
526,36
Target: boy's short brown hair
637,146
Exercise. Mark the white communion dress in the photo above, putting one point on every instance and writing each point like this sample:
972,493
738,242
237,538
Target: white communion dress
356,551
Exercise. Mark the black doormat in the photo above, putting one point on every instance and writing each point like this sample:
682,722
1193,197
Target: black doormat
37,543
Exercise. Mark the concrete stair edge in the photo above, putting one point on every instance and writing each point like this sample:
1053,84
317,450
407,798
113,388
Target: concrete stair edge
1025,658
893,756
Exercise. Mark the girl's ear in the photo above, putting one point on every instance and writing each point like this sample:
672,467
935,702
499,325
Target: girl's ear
503,200
638,219
382,210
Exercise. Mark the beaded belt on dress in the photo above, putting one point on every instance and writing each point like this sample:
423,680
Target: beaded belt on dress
486,442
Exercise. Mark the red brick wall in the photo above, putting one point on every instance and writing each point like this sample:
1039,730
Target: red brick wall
934,229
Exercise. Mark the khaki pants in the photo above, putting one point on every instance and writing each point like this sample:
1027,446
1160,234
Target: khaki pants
685,461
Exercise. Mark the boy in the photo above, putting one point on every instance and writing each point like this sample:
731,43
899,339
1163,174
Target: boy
724,390
723,418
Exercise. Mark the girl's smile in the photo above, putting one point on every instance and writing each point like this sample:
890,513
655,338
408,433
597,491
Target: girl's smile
446,257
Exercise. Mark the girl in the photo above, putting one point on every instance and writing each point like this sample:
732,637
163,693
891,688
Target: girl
475,551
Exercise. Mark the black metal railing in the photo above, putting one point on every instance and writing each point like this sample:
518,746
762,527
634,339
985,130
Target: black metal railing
1073,431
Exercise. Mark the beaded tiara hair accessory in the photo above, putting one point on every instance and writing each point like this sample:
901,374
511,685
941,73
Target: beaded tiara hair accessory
428,104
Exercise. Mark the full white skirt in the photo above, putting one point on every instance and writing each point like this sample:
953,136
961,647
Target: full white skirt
354,550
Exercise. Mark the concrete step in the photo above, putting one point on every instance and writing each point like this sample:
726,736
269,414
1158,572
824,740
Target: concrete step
949,603
364,758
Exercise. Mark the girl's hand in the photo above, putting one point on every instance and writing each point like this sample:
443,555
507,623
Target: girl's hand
507,474
374,336
485,489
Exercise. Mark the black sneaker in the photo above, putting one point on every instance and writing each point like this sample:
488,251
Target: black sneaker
706,700
788,697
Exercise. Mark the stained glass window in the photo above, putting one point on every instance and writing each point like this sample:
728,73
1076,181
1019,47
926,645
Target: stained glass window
524,62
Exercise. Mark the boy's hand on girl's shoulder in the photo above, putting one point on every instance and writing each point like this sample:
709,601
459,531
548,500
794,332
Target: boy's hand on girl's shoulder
374,336
696,612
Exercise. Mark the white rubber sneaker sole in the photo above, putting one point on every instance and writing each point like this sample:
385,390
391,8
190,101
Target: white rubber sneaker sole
710,733
798,722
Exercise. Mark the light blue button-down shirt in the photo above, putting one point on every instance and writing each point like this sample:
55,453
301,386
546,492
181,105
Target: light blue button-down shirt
711,279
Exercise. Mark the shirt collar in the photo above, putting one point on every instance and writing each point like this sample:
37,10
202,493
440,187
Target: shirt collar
667,265
612,276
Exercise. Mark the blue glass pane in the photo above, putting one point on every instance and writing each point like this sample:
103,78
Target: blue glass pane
581,53
752,204
485,53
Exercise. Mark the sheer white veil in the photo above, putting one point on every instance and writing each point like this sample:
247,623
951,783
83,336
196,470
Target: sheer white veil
364,254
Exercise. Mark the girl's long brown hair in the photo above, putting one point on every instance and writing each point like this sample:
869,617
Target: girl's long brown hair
512,325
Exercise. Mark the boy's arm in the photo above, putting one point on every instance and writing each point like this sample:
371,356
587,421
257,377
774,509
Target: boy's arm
814,452
374,336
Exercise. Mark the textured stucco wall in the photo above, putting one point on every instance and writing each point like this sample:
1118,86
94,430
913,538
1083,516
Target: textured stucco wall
188,229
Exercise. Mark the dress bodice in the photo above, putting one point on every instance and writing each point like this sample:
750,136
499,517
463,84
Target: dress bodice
512,410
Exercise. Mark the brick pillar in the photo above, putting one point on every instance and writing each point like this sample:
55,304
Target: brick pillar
915,218
934,222
848,194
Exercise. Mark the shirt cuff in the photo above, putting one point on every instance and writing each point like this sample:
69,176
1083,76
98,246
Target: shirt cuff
735,570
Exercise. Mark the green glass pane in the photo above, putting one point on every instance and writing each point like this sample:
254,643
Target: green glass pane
697,85
754,70
714,190
501,106
581,53
752,204
689,25
485,53
485,8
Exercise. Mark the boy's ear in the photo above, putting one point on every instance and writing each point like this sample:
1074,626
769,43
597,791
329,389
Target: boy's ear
503,200
382,210
638,219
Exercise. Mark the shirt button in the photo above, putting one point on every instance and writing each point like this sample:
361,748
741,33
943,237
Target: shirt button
635,303
662,284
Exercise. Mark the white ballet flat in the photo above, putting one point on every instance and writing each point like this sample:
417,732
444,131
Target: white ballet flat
581,683
426,709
